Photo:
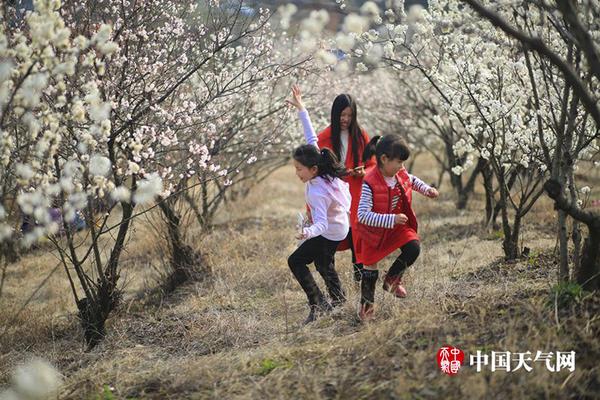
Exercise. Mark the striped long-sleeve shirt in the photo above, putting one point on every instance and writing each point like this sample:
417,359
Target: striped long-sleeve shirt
365,206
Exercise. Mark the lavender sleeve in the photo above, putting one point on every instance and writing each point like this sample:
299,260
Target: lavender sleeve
309,132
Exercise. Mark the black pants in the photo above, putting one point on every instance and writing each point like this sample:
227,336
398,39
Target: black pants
410,252
349,237
319,251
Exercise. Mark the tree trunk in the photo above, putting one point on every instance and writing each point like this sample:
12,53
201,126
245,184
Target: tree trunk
510,245
588,274
488,185
563,268
186,263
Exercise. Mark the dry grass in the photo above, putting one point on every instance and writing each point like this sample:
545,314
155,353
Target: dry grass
238,335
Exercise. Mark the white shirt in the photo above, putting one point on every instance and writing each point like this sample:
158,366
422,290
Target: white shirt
329,200
329,204
344,146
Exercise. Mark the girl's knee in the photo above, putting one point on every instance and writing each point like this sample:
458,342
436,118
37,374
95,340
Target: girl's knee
372,267
411,250
292,262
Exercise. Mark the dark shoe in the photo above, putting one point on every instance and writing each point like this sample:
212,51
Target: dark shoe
317,310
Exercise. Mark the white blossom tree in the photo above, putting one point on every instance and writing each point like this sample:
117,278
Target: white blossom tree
111,108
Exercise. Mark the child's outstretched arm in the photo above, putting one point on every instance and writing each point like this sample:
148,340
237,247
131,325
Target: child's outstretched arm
423,188
366,215
309,131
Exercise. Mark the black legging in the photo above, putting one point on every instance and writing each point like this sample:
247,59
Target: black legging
349,238
320,251
410,252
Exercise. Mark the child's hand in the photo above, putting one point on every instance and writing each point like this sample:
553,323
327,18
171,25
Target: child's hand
296,100
301,236
358,171
400,219
432,193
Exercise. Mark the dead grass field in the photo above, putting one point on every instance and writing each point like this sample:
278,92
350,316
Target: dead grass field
238,334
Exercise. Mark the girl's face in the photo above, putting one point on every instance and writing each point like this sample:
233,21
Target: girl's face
390,166
345,118
305,173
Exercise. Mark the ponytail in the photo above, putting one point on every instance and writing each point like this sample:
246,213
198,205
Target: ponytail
393,146
329,165
370,149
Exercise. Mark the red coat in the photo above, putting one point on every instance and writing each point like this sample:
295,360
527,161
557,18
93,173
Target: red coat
355,182
373,244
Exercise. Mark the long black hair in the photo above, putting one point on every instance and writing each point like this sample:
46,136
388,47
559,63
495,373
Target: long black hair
393,146
327,163
340,103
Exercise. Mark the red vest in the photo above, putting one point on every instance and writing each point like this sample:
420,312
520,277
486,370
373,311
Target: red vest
382,204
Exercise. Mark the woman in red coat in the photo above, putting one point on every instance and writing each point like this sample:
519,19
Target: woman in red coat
348,140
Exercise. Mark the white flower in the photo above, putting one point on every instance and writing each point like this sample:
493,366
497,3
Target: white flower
342,67
6,68
99,111
355,23
457,170
5,233
308,44
103,34
99,165
78,200
316,22
388,50
108,48
285,12
148,188
360,67
121,193
24,171
585,190
374,54
344,42
36,380
369,8
326,57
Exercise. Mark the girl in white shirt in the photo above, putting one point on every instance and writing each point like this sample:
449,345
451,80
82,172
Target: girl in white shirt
328,198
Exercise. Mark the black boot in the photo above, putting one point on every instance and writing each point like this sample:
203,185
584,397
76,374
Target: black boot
317,310
358,268
333,283
367,294
316,300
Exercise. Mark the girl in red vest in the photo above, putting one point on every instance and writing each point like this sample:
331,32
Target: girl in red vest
386,220
348,141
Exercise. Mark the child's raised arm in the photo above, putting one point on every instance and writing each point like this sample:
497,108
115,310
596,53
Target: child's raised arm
309,133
